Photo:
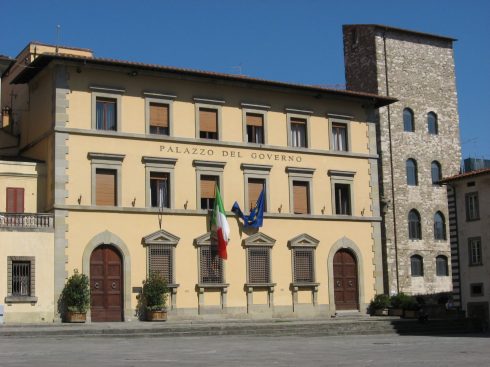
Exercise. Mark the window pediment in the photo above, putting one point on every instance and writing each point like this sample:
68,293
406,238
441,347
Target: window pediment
259,239
160,237
303,240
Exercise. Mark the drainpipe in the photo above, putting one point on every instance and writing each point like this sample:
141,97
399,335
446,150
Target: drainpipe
395,240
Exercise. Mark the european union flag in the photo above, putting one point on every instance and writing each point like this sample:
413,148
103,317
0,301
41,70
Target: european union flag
256,217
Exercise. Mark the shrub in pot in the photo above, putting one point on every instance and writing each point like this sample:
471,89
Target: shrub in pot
397,302
75,298
154,297
410,307
379,305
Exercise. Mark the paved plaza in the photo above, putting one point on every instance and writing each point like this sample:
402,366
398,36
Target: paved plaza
370,350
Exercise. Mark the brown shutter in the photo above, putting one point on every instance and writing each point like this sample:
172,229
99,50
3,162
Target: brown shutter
105,191
208,184
255,186
254,119
15,200
159,114
300,197
297,120
208,120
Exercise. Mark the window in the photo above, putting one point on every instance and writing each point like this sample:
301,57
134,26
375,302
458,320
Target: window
439,226
159,181
432,123
21,279
436,174
303,265
208,188
301,202
208,123
160,260
417,266
255,187
414,226
105,187
159,189
255,128
408,123
472,206
259,265
106,178
441,266
211,265
298,132
15,200
339,137
412,177
476,290
256,178
106,114
475,251
342,199
159,118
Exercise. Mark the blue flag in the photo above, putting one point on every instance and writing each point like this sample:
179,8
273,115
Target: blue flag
256,217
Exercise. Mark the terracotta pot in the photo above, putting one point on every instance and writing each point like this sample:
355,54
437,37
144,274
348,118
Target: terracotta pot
156,315
381,312
395,312
72,316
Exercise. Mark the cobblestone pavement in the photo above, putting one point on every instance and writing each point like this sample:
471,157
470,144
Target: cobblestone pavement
372,350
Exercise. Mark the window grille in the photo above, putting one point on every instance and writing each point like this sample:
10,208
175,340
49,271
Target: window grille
21,278
259,265
211,266
303,265
160,261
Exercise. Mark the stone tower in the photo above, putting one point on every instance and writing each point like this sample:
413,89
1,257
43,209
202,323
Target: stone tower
417,137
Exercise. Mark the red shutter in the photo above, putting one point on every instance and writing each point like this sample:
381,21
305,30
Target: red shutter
15,200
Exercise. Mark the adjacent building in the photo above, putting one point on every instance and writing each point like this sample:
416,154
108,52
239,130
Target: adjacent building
469,203
418,143
128,155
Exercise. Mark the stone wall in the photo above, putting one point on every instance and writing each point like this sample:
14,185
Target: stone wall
418,70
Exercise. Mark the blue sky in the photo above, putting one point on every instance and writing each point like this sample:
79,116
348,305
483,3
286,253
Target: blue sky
295,41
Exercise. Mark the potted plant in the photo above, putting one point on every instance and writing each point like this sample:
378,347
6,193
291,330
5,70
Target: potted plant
397,301
154,297
410,308
75,298
379,305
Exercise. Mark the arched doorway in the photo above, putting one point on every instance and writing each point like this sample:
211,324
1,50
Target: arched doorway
106,284
346,292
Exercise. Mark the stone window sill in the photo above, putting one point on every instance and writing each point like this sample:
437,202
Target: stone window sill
20,299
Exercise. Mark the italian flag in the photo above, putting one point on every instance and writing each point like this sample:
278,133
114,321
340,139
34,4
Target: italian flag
220,226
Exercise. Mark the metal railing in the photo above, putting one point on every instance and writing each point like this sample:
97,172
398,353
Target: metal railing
26,220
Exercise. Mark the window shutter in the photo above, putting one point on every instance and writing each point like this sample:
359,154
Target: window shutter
208,184
159,114
254,119
15,200
297,120
255,186
105,187
300,197
208,120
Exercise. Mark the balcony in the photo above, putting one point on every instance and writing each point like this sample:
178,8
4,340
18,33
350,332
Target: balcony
26,221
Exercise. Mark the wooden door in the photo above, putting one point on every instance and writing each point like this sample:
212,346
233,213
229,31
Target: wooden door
345,281
106,284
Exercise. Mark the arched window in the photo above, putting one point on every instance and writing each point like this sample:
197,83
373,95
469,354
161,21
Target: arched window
441,266
408,124
412,179
432,123
414,227
439,226
417,266
435,169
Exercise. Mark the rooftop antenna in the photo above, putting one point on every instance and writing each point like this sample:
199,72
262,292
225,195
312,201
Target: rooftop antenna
58,36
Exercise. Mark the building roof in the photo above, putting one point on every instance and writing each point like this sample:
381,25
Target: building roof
44,59
461,176
402,30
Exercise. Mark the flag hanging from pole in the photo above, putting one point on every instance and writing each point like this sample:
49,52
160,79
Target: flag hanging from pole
256,217
219,225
